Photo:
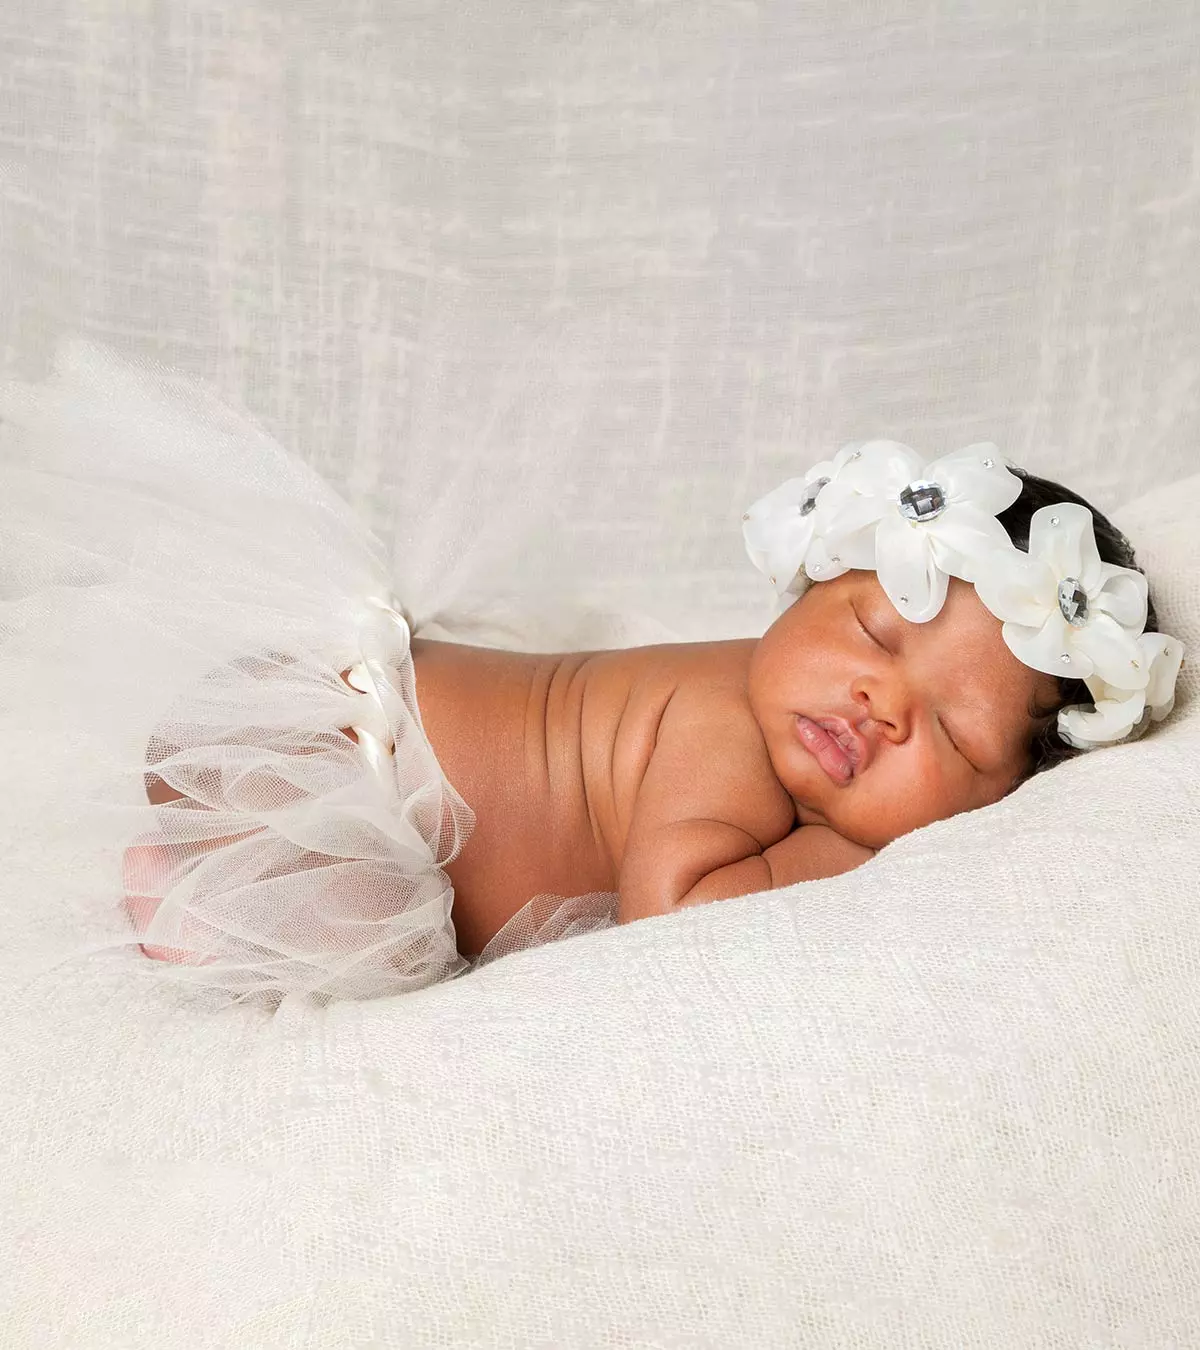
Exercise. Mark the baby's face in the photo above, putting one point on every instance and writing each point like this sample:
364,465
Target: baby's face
876,725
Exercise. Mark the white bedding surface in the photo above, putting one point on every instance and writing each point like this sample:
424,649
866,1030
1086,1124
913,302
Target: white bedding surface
948,1101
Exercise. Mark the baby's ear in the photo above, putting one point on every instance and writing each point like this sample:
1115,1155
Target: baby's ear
1046,747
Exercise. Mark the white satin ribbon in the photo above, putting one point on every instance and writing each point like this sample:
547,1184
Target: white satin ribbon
375,738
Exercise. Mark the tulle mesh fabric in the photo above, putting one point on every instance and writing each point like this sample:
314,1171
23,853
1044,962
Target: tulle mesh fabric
551,918
180,600
290,864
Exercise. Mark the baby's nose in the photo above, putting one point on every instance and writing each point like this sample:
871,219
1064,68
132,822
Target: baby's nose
887,707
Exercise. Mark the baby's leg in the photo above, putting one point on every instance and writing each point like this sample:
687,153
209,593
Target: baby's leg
146,866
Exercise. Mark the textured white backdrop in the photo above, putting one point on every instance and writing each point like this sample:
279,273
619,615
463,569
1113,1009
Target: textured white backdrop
674,248
765,228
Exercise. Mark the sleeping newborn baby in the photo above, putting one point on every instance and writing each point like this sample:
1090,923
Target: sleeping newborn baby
313,799
681,774
685,773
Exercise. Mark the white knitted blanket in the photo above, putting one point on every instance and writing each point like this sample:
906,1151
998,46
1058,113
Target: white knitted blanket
947,1100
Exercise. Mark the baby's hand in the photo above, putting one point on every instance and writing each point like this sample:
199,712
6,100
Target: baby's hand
814,851
809,853
676,868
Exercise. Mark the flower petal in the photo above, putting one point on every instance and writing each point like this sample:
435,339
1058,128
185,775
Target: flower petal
1015,587
780,501
855,550
761,535
1111,720
976,475
781,547
881,468
1100,690
1109,650
821,565
841,510
962,536
907,572
1043,648
848,453
776,534
1123,595
1165,655
1064,535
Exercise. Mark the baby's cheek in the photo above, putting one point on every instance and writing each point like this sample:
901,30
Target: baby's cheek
907,793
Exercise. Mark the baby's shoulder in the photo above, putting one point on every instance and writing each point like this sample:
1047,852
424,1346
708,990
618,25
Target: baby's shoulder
705,670
710,755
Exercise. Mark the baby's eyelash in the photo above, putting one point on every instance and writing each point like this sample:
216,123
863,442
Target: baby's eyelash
958,748
863,626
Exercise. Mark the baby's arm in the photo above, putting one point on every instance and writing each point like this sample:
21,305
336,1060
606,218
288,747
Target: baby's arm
712,821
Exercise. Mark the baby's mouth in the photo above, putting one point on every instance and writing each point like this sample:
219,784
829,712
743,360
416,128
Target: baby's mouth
832,744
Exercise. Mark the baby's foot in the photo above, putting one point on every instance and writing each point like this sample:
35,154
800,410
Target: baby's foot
144,871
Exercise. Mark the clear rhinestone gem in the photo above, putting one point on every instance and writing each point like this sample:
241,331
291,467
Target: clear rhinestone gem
771,580
745,515
833,557
808,502
854,454
922,501
1053,520
904,599
1073,602
989,463
1065,658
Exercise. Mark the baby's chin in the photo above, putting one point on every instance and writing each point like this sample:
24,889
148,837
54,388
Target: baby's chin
861,822
811,815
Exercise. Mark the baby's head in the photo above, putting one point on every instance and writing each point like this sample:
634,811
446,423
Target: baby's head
877,723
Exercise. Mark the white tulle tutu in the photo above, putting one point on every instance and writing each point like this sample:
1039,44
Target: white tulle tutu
179,601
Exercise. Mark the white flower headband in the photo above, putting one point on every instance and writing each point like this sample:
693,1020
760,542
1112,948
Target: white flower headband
876,505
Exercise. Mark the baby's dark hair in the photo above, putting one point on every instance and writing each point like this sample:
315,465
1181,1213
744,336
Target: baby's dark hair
1049,748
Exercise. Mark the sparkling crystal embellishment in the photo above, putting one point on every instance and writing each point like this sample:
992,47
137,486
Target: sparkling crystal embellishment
1073,601
988,463
1065,658
808,502
922,501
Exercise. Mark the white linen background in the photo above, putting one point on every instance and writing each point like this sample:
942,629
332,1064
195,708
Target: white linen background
682,249
766,228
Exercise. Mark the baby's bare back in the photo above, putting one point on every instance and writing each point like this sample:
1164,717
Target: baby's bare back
551,752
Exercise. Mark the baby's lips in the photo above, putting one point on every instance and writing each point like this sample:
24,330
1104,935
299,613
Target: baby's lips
851,740
825,748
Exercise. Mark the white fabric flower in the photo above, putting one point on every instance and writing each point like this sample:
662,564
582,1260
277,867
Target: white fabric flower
1119,714
1064,611
918,524
784,530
